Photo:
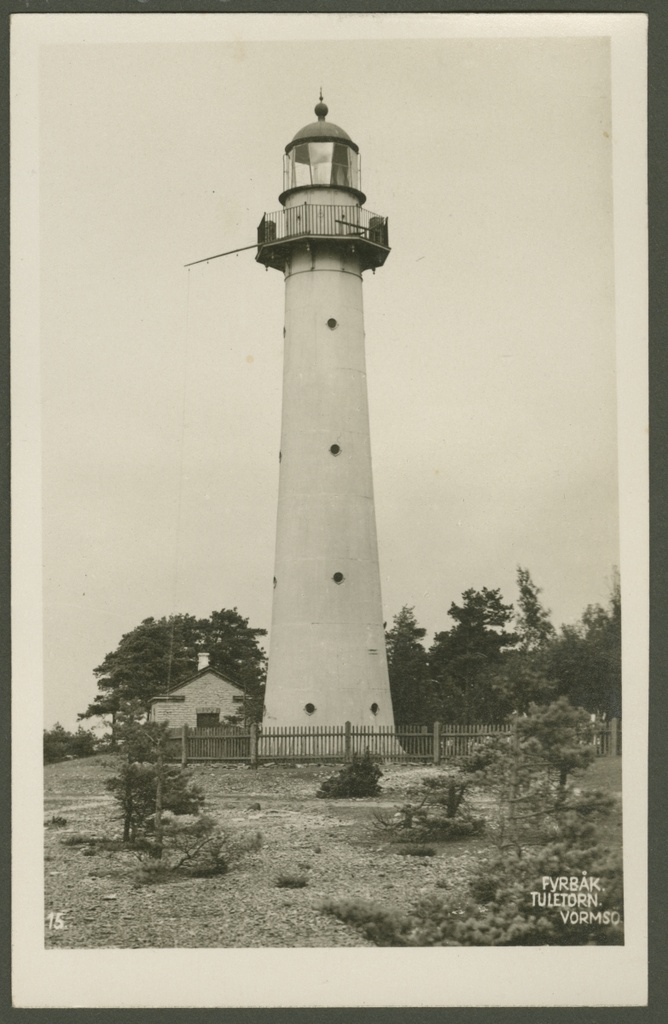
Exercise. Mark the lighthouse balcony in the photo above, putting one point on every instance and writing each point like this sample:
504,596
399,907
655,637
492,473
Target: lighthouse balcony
346,226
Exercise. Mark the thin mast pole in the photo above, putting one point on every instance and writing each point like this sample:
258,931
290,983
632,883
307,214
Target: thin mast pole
219,254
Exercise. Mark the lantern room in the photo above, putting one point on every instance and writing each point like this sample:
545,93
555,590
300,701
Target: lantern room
321,155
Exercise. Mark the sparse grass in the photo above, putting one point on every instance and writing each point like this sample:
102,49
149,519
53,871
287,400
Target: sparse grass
415,850
78,840
603,773
153,872
291,880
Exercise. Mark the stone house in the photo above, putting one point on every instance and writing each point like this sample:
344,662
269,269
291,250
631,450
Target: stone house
203,700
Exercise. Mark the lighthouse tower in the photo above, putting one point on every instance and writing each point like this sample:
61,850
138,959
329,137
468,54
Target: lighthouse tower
327,661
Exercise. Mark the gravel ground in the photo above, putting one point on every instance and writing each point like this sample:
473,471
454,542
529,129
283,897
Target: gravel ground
331,842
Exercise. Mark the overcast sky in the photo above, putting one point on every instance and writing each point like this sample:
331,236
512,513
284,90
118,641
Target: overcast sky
490,330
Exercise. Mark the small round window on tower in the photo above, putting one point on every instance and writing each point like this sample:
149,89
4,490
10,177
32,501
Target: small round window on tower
309,708
338,577
332,323
374,708
335,449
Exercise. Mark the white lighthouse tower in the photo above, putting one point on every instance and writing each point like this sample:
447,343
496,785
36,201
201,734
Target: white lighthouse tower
327,661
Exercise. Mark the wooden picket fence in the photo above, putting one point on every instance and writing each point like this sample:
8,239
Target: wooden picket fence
416,743
608,737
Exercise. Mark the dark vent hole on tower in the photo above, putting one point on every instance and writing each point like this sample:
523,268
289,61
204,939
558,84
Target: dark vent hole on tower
374,708
332,323
335,449
274,581
338,577
309,708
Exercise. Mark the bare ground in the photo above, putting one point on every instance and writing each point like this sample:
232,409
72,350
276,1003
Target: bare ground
331,842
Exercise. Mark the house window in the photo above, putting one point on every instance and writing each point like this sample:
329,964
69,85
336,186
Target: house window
208,719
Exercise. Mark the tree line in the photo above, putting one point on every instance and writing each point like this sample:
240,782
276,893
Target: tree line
496,659
493,660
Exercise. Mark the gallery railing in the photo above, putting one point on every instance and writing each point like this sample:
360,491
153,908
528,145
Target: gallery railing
323,221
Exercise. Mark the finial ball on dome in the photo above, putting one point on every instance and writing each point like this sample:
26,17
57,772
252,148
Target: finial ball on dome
321,110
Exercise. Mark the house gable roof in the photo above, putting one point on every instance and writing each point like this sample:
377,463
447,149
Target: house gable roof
198,675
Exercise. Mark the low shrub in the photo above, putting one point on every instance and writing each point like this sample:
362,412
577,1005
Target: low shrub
415,850
357,779
286,880
78,839
384,927
511,915
57,821
434,812
195,847
223,853
441,829
484,886
180,794
508,889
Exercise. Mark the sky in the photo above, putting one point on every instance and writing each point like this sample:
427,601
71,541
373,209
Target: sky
490,331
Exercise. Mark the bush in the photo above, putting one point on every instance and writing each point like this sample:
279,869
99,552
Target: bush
525,776
383,927
357,779
436,813
135,790
438,828
509,917
510,914
504,908
193,846
180,794
60,744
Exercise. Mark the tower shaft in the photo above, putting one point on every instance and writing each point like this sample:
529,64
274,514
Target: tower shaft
327,660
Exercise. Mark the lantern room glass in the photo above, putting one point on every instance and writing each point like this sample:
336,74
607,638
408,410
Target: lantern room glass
321,163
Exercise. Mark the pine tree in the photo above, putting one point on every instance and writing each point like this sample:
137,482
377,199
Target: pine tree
408,669
466,661
532,621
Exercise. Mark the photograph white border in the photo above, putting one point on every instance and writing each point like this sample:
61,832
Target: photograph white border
359,977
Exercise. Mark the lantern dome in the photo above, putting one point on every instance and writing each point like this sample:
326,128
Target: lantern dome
321,130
